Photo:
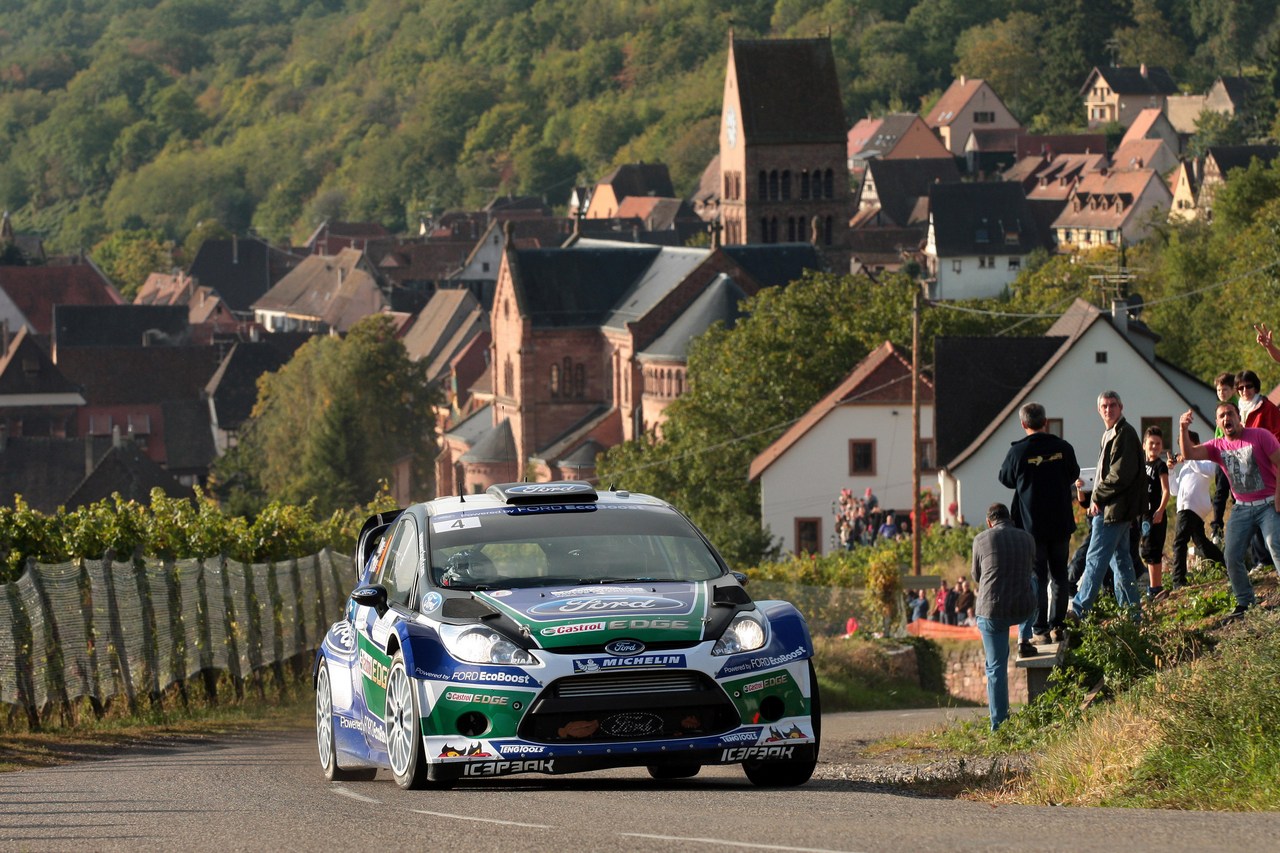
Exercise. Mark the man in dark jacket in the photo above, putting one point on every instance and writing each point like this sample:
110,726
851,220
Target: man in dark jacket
1042,470
1002,559
1119,492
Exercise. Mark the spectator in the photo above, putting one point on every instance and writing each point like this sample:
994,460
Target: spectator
950,606
1041,469
1250,457
1117,499
1189,483
920,607
1256,410
1154,523
1225,385
964,603
940,604
1002,567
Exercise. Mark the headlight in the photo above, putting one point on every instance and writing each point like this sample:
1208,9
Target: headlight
744,634
476,644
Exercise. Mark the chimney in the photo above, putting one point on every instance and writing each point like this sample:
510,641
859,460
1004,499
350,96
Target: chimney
962,80
1120,315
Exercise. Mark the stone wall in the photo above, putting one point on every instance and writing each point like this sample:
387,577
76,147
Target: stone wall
967,677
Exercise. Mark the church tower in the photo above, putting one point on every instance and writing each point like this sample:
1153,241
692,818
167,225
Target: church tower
783,177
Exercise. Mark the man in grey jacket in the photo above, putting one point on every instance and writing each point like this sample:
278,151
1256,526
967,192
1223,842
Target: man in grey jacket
1003,559
1119,492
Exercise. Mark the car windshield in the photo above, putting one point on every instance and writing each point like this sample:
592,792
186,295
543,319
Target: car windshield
497,548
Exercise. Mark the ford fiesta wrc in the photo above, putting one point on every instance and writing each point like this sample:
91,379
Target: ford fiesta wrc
553,628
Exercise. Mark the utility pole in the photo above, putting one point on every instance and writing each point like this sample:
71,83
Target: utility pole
915,431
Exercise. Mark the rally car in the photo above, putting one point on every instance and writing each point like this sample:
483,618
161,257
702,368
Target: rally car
553,628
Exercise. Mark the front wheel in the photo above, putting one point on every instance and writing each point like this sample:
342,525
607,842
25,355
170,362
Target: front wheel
325,738
790,772
404,731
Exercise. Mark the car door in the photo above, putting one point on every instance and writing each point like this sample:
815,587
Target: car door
398,574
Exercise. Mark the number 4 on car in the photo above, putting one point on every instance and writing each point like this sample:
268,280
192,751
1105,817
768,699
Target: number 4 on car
553,628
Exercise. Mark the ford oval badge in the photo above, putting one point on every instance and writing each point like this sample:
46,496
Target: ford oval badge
620,648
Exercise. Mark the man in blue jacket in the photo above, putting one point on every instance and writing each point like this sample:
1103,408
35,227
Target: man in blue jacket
1042,470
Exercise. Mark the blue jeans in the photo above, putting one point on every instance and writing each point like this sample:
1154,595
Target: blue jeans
995,642
1241,524
1108,545
1026,629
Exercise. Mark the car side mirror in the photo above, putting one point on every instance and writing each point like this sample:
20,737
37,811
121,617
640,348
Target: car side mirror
740,578
374,596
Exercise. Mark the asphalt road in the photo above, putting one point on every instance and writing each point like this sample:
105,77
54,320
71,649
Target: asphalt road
265,792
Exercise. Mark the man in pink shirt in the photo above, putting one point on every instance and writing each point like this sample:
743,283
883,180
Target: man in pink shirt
1249,457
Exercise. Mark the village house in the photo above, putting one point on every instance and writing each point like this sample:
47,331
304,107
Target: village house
1119,94
969,104
895,136
978,239
1112,208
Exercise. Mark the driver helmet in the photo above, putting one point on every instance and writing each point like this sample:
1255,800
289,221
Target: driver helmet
468,567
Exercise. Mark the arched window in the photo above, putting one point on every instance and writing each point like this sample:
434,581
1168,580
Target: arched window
764,229
791,229
555,380
773,184
804,183
786,184
727,191
773,230
508,378
580,381
679,383
763,190
828,185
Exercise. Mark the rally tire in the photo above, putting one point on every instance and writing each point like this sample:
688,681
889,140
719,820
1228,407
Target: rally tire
325,740
404,728
795,771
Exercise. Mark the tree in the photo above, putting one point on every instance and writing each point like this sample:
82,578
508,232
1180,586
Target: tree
749,383
333,423
1005,54
129,256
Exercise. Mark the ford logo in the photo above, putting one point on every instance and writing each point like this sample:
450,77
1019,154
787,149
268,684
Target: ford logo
632,724
619,648
597,604
550,488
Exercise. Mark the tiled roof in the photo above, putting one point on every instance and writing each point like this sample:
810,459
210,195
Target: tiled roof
981,219
771,74
118,325
1129,80
1138,154
334,289
953,101
975,377
240,269
1145,122
111,375
1230,157
719,302
640,179
35,290
1105,200
1050,145
126,470
493,445
45,471
575,287
234,385
188,436
900,183
26,369
776,264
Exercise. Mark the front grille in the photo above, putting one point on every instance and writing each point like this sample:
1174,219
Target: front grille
629,706
623,683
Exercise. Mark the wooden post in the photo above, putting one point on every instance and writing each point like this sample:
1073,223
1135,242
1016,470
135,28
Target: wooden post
915,432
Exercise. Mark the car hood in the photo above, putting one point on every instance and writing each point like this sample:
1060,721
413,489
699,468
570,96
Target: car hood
598,614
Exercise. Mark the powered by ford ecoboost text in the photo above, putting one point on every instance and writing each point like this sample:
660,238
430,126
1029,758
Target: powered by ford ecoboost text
551,628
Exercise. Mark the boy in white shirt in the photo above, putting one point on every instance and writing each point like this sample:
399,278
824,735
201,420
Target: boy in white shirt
1189,481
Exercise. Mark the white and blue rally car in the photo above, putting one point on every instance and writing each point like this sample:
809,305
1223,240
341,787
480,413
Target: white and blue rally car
552,628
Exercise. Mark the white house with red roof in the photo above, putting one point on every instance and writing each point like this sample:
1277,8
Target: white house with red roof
969,104
858,437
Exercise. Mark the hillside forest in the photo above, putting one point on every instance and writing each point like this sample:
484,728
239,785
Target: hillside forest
124,116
